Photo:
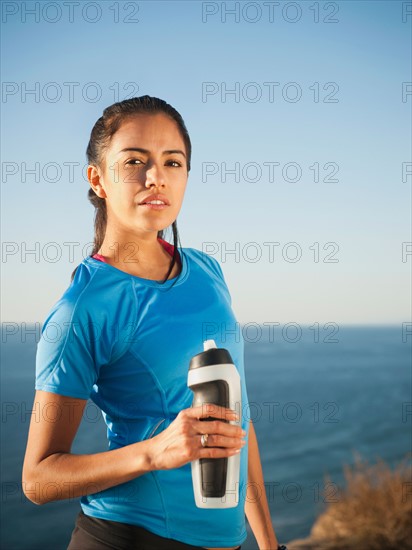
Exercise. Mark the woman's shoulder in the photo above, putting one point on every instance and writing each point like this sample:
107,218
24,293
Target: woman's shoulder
91,294
206,260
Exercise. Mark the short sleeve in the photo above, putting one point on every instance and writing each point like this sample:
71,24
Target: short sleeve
68,354
215,265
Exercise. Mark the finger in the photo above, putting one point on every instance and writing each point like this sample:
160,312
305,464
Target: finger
216,440
211,410
216,427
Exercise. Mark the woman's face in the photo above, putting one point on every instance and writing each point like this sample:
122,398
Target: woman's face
145,156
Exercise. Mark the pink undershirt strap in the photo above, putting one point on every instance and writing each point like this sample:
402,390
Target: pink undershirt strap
99,257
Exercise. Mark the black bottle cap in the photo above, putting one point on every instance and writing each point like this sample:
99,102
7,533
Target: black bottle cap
213,356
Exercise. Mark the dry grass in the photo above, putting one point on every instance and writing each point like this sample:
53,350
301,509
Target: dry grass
373,511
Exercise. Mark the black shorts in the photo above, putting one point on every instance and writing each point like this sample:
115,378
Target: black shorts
92,533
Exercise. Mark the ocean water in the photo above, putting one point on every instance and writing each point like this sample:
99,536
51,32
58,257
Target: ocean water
317,401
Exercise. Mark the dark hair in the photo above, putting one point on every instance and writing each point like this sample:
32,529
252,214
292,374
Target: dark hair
100,137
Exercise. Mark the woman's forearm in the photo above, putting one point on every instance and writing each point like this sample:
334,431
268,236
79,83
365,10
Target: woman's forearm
256,507
63,476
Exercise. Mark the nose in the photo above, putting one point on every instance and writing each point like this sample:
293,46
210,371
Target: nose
155,176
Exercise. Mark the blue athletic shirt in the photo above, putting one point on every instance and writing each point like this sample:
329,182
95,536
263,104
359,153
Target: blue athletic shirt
125,342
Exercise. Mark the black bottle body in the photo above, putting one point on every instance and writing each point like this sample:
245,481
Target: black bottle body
214,379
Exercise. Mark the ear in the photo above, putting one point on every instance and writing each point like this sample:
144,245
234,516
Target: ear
96,181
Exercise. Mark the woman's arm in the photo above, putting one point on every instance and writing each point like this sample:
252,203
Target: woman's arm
256,507
51,472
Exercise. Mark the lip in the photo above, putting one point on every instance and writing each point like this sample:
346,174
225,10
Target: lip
155,197
155,206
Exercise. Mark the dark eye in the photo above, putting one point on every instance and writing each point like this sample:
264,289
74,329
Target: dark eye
133,161
175,162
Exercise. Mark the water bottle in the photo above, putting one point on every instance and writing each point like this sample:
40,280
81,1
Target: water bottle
213,378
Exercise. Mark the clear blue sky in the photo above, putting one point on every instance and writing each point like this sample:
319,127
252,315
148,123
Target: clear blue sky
350,113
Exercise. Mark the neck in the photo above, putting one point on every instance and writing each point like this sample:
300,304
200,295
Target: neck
141,252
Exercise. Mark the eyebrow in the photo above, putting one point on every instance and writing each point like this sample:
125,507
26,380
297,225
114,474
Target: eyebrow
140,150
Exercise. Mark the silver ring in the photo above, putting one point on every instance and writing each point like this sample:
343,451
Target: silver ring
203,440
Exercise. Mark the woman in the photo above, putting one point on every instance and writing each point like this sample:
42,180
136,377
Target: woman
133,316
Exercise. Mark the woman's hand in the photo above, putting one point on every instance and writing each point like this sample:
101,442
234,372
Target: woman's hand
180,443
